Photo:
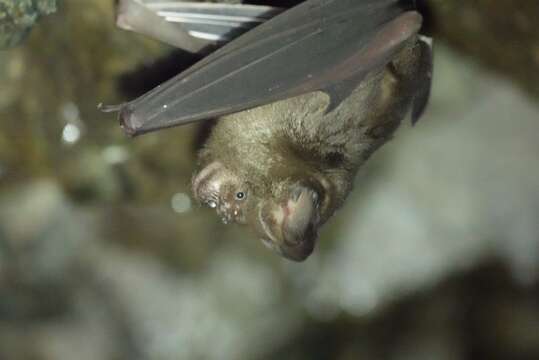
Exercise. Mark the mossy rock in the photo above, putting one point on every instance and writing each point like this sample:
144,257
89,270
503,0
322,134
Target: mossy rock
17,18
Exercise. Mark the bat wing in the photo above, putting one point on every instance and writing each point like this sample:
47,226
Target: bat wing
192,26
319,45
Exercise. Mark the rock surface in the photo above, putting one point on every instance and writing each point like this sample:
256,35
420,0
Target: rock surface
502,34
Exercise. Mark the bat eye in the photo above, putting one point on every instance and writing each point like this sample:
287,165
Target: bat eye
240,195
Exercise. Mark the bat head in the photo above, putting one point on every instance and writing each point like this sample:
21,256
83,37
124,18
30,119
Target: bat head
220,189
286,221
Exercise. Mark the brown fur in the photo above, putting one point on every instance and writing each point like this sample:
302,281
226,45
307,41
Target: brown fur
295,141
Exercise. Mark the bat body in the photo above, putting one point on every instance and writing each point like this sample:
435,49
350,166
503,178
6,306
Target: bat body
291,164
323,85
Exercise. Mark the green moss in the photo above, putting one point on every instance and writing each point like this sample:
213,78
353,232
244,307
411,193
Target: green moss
17,18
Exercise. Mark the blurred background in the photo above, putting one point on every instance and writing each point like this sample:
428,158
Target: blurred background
104,255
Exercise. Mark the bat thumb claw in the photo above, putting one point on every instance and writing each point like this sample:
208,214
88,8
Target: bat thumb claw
109,108
128,121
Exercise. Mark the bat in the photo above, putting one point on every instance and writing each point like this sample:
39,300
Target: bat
305,98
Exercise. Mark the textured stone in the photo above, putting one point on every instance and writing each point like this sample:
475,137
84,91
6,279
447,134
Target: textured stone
502,34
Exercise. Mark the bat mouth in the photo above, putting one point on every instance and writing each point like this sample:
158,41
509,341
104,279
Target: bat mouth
229,213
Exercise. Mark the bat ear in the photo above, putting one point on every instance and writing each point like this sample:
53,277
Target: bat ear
208,179
290,226
424,82
301,213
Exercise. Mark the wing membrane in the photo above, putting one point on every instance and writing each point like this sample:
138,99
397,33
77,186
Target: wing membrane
313,46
